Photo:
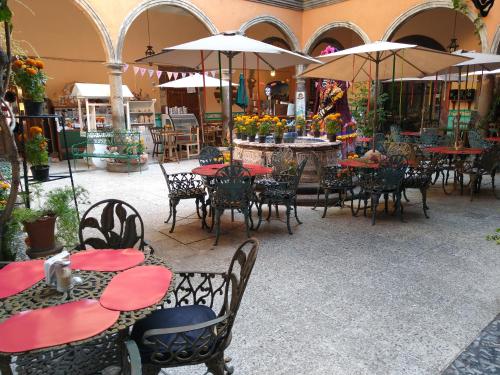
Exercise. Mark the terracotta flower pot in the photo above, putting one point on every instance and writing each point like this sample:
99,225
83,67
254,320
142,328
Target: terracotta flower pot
40,172
41,239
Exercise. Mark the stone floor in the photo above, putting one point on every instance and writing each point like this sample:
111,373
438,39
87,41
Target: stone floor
339,296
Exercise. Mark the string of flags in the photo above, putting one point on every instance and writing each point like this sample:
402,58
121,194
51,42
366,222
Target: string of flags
171,75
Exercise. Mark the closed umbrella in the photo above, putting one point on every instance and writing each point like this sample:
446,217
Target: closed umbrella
241,95
205,53
386,59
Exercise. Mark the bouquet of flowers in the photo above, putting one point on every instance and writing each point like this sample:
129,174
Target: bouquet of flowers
333,123
36,147
29,75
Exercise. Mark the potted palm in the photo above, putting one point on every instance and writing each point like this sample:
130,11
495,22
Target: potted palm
37,154
333,124
28,74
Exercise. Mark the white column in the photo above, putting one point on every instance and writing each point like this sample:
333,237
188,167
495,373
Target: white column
116,95
300,87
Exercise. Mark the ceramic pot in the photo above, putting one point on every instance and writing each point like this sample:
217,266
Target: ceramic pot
41,239
262,139
33,108
40,172
331,137
278,140
251,138
244,137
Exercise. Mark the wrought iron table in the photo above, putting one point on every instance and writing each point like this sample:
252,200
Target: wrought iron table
211,169
83,357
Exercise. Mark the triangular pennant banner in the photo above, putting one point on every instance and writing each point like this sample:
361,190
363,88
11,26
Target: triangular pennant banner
136,70
169,75
142,71
151,72
125,68
158,73
183,75
175,74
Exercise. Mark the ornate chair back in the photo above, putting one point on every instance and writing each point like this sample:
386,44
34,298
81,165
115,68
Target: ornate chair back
295,176
337,177
476,141
156,135
233,184
210,155
119,226
379,139
280,161
429,137
182,184
489,161
396,133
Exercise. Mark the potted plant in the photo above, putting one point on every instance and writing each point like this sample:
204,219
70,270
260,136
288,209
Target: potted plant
316,126
265,125
57,212
237,123
37,154
279,129
300,124
251,127
28,74
333,124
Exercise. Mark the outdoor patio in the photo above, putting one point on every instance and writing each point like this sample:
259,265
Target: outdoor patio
339,296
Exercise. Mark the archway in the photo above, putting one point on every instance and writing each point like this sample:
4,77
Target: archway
74,48
168,25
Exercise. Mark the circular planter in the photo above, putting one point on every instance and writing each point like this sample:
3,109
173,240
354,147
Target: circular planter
331,137
40,172
33,108
41,237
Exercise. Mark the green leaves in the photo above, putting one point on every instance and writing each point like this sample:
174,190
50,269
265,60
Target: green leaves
5,12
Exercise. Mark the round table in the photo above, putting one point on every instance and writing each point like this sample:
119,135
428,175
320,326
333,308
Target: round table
86,356
210,170
454,151
354,163
493,139
410,134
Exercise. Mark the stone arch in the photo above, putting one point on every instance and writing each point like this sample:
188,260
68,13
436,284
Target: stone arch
428,6
323,29
106,40
495,45
186,5
283,27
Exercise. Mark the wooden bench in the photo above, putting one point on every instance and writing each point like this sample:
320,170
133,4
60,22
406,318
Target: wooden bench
121,145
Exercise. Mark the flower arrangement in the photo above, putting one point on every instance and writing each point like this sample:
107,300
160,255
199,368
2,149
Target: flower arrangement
29,75
352,155
265,125
333,123
36,147
279,128
300,123
239,122
4,193
316,124
347,137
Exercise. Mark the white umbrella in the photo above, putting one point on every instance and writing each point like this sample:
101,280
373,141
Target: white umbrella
206,53
196,80
385,59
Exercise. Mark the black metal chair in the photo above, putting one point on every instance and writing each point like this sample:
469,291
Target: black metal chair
336,180
379,139
487,164
210,155
184,186
233,190
384,181
283,193
197,328
119,227
157,137
419,176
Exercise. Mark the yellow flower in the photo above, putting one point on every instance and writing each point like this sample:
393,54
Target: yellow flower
276,119
31,71
30,62
4,185
34,130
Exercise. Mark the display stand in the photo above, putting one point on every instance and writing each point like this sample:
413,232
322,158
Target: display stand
44,120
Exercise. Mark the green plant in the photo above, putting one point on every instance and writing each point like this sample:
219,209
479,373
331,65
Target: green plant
333,123
462,7
300,123
359,105
36,147
28,74
494,237
265,127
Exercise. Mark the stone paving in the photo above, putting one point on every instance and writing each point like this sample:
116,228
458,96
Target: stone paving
339,296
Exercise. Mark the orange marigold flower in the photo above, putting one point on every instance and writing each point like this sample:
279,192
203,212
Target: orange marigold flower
17,64
31,62
31,71
39,64
34,130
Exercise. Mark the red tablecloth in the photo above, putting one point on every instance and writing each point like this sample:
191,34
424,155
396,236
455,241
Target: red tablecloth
55,325
453,151
211,169
364,139
353,163
411,134
18,276
136,288
493,139
106,260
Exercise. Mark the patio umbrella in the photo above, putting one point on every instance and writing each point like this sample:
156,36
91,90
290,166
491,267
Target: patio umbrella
386,59
241,95
206,53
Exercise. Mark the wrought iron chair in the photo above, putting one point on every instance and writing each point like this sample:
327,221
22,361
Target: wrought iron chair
487,164
386,180
419,176
120,227
184,186
396,134
195,326
233,190
283,193
157,136
337,180
476,141
379,139
320,167
429,138
210,155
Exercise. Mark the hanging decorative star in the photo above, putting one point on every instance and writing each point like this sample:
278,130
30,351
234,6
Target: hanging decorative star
484,6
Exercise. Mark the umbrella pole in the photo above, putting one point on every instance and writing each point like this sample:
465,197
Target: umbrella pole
375,118
202,114
423,107
230,123
457,118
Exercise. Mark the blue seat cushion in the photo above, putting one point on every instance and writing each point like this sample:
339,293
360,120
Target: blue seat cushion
170,318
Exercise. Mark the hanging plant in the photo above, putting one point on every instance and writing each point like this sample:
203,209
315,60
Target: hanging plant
462,7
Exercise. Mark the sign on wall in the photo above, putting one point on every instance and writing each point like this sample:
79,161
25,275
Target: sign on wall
300,104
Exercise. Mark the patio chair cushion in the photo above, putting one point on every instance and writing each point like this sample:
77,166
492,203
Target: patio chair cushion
171,318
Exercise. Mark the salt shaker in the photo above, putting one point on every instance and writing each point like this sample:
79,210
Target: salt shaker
63,277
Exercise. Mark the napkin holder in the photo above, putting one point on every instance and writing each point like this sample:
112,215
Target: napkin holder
53,265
